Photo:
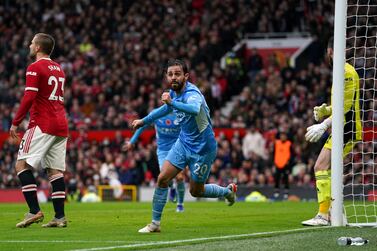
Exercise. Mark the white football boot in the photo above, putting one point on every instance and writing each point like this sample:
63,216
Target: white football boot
318,220
150,228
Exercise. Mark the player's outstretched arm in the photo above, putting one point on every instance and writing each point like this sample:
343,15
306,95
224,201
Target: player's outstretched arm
156,114
137,134
131,144
127,146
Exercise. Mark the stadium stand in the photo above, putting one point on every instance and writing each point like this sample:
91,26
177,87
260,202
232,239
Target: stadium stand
113,59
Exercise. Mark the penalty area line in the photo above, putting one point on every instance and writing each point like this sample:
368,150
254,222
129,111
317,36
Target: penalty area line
237,236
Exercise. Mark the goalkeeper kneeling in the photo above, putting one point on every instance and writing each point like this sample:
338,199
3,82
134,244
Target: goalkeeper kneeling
352,134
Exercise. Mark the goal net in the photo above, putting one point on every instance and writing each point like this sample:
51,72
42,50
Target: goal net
360,171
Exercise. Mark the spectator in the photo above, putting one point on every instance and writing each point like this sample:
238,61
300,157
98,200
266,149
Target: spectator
253,142
255,64
283,156
104,92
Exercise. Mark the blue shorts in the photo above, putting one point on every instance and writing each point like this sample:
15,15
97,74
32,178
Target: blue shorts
199,165
161,155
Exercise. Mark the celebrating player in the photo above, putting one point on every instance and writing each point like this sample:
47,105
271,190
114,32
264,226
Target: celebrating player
195,147
167,132
46,138
352,134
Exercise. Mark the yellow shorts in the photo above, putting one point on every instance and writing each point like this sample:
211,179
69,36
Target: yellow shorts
346,149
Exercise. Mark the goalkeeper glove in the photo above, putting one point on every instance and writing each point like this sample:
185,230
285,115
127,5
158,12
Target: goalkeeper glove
321,111
315,132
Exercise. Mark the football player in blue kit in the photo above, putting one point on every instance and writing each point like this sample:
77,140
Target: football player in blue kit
167,132
195,147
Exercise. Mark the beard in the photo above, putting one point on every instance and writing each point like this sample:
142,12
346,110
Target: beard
177,85
32,54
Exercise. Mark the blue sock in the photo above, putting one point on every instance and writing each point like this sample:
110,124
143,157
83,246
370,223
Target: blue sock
215,191
159,200
181,192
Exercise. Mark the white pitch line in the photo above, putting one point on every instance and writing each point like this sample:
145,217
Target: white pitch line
62,241
200,239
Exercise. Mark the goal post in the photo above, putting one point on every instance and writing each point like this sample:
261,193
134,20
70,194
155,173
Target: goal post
354,178
337,113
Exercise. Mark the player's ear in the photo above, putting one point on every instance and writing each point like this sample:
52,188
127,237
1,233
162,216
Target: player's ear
187,76
37,48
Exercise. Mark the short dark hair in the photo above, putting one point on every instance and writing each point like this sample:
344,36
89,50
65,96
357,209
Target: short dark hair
178,62
330,43
46,42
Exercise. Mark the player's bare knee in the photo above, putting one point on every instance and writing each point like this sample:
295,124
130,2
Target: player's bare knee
51,172
324,160
162,181
321,166
21,165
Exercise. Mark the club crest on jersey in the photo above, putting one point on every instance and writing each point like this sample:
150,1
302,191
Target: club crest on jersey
180,116
168,122
54,68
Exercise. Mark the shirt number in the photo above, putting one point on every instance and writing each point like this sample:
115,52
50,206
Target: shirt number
200,171
52,80
22,144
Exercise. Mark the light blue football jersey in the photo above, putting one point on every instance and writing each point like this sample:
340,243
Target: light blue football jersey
193,116
196,129
167,131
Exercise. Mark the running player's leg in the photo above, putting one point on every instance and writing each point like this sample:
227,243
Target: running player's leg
161,155
200,167
174,163
180,179
168,172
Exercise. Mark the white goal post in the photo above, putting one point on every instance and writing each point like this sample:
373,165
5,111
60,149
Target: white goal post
354,179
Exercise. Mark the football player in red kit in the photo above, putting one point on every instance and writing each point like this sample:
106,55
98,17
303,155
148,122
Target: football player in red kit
44,143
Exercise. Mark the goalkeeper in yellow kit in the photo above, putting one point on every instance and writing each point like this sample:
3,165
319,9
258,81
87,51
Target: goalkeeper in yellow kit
352,134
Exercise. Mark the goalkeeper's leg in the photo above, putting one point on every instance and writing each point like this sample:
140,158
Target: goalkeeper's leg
323,183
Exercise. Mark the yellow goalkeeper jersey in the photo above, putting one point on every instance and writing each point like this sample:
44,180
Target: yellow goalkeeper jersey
352,121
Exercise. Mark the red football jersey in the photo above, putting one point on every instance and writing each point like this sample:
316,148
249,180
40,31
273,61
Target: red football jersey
47,111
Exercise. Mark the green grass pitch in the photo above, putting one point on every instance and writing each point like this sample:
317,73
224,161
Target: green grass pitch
203,226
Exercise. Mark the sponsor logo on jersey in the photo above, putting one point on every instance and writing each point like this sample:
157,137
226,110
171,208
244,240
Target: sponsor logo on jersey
31,73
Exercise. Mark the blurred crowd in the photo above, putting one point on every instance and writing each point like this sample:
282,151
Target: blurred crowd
113,54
